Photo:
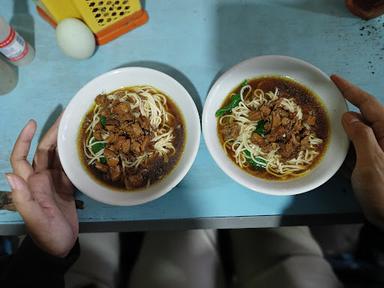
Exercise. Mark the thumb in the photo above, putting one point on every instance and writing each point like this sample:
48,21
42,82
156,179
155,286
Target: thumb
21,195
361,135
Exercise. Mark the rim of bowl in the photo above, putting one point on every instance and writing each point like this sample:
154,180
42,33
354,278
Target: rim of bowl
190,157
220,158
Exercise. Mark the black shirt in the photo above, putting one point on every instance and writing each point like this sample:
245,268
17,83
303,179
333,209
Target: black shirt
31,267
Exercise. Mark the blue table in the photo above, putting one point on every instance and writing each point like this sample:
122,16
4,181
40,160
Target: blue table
195,41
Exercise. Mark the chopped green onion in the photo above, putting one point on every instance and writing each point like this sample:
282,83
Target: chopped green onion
227,109
103,120
258,163
97,147
260,127
103,160
234,102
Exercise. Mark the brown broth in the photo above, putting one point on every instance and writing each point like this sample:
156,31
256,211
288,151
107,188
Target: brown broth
160,168
305,98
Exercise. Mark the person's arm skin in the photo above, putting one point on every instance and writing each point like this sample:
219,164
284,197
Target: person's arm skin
366,131
43,195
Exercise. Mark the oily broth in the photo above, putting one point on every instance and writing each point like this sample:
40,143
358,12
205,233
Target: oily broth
305,98
162,168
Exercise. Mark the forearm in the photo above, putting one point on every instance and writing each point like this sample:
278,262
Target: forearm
30,265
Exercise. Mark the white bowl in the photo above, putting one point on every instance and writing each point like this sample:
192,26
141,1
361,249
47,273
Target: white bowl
307,75
81,103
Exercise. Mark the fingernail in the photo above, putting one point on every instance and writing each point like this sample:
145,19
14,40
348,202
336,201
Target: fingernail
30,121
11,181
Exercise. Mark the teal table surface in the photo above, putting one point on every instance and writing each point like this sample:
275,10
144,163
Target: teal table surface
195,42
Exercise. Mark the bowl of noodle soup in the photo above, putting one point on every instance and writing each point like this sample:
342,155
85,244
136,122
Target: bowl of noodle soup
129,136
272,123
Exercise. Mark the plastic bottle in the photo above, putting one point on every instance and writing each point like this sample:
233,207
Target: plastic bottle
13,46
8,76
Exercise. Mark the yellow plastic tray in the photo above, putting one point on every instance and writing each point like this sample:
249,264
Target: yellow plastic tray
61,9
100,14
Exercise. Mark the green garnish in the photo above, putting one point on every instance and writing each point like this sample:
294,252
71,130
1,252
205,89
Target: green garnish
260,129
258,163
103,120
234,102
227,109
97,147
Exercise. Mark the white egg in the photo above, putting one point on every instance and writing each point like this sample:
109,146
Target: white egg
75,39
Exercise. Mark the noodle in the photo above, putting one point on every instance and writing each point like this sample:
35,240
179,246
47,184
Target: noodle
152,104
244,151
132,136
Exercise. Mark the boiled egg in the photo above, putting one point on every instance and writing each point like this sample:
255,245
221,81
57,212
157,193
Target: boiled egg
75,39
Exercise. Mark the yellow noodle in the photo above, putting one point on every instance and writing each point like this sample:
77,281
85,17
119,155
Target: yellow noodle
240,116
152,104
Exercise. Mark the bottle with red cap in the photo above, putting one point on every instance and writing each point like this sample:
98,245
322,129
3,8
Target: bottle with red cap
13,46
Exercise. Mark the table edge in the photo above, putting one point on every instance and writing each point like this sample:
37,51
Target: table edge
241,222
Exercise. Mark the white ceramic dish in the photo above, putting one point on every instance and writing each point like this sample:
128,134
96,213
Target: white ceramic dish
81,103
307,75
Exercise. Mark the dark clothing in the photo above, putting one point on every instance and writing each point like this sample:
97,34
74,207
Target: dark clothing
364,267
32,267
371,245
370,253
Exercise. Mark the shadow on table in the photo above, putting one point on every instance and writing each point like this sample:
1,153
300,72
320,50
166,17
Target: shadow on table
23,21
51,120
253,29
143,3
173,72
335,8
334,195
165,213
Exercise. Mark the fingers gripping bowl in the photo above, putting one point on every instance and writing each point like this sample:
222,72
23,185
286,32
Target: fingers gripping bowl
272,123
129,136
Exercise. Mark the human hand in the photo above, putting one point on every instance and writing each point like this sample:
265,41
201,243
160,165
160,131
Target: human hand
42,193
366,131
